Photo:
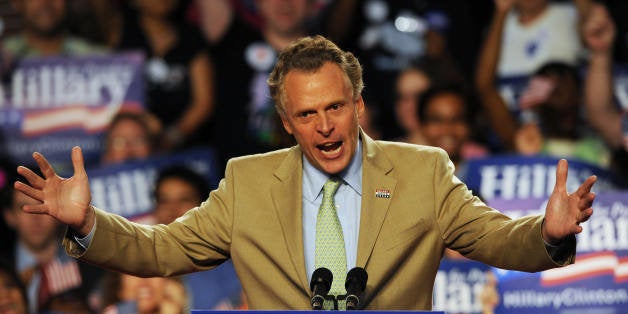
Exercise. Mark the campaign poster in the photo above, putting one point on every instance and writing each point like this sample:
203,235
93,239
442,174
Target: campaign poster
521,177
597,283
463,286
126,189
51,104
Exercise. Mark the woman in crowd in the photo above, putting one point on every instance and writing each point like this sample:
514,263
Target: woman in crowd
178,70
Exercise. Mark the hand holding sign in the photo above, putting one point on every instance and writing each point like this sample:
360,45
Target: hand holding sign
564,211
67,200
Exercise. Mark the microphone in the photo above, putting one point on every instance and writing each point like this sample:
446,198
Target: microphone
320,285
355,284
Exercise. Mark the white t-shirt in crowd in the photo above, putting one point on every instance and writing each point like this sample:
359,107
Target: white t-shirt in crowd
553,36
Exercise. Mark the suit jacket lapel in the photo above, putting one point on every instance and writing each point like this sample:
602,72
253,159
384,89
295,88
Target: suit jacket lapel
375,170
287,196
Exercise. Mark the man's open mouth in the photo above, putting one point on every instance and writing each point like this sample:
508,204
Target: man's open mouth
330,147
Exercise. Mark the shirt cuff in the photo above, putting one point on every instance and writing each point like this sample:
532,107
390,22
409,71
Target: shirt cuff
85,241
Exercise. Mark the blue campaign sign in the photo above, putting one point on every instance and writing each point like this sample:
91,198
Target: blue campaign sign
596,283
52,104
459,285
126,189
521,177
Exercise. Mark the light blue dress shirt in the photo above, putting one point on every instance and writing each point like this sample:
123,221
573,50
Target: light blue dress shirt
348,200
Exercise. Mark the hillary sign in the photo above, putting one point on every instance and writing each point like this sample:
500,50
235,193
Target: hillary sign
459,286
519,177
126,189
596,283
51,104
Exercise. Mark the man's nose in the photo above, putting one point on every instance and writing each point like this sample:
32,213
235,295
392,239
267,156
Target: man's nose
325,125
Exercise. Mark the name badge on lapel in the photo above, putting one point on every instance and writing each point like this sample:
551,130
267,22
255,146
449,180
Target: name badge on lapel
382,193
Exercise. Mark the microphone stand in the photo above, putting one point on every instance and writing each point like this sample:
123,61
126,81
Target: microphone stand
352,303
317,304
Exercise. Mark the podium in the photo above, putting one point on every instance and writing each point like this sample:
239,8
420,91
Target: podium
306,312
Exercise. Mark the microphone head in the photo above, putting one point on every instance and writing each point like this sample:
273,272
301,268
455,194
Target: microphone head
356,279
321,277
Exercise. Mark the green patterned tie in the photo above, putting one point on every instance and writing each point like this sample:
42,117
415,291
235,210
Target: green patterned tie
330,243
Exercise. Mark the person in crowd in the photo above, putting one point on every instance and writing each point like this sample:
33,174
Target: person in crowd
99,21
531,33
44,32
44,268
559,129
388,36
126,294
550,122
445,121
13,298
131,136
178,71
246,121
177,189
270,217
602,112
412,82
524,34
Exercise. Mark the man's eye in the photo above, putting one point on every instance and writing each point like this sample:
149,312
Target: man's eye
335,107
304,114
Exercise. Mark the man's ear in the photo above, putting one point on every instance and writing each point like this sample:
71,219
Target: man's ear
359,106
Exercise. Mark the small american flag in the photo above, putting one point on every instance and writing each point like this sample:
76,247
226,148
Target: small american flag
62,276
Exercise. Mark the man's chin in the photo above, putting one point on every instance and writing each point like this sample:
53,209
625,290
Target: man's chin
333,168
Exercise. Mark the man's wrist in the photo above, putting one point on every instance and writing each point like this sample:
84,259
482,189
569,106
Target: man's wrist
550,241
88,225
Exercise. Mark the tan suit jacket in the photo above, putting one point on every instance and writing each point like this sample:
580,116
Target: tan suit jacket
254,217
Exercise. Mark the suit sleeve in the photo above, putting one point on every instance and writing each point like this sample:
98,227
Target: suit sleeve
481,233
199,240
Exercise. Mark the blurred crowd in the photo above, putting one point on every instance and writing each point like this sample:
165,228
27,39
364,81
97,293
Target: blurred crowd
432,71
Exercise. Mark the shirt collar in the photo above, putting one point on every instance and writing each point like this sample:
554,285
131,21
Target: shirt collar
314,179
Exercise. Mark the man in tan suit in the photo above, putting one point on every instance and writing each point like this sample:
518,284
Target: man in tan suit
410,206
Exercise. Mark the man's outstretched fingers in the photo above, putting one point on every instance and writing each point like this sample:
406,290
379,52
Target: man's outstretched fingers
35,180
585,215
29,190
586,201
77,161
44,165
35,208
561,175
586,186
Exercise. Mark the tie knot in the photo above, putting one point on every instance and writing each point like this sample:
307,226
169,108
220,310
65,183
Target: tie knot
331,186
